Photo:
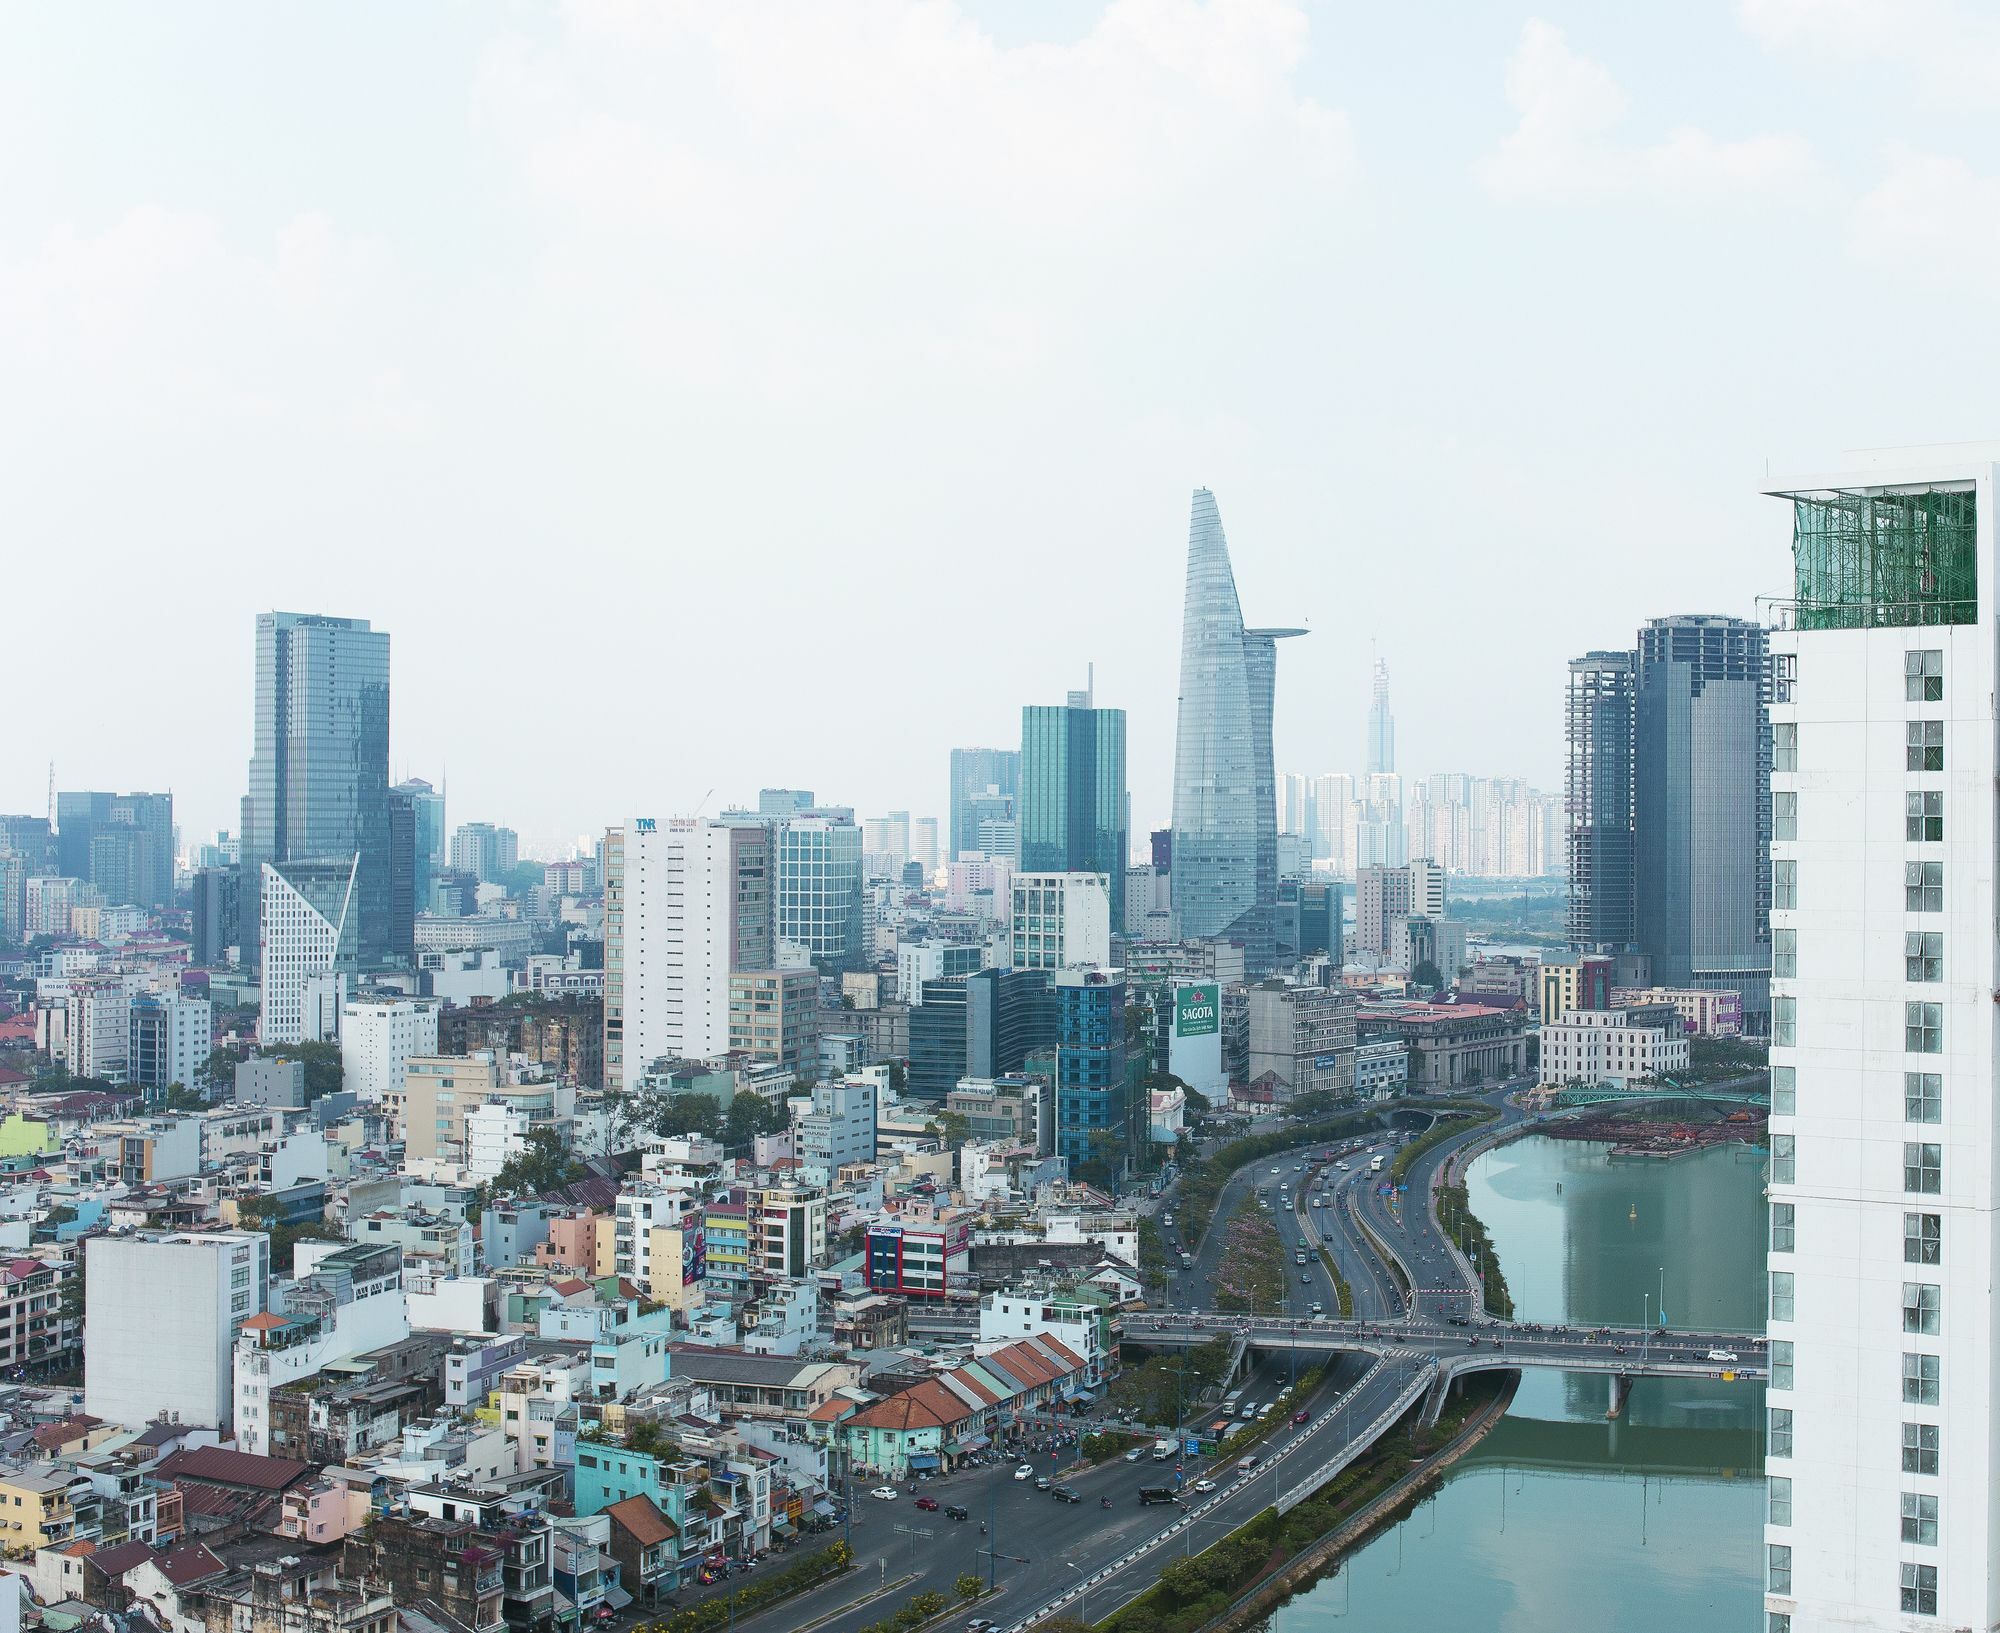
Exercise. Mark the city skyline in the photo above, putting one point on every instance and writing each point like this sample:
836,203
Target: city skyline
296,315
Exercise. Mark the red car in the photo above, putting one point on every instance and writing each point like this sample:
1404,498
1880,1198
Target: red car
927,1504
1302,1416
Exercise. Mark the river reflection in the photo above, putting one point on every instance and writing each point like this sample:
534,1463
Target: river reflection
1560,1519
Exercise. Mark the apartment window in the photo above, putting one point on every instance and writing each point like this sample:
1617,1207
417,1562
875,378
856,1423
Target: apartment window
1784,1091
1923,816
1785,884
1784,816
1781,1295
1784,954
1778,1492
1923,1097
1780,1356
1923,955
1920,1511
1920,1380
1919,1590
1778,1442
1922,1307
1783,1222
1920,1448
1923,1238
1784,1022
1923,1028
1777,1621
1780,1572
1923,1167
1923,887
1784,1159
1923,745
1784,746
1784,676
1923,676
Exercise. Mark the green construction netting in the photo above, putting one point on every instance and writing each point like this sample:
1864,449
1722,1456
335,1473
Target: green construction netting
1877,561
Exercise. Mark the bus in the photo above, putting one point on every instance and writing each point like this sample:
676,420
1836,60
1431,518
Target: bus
1375,1164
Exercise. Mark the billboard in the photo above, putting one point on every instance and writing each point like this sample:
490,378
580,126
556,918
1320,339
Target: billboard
1197,1009
1194,1040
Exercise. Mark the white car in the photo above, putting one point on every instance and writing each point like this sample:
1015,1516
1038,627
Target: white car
1135,1454
1022,1473
886,1493
1722,1355
1204,1485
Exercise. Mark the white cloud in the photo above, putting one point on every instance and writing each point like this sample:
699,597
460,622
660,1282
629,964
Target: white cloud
1956,46
791,198
1565,146
1932,221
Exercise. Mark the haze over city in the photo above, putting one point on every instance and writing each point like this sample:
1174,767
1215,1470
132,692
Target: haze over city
999,816
645,346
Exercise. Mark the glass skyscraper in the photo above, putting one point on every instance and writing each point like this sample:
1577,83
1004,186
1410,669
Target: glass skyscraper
1090,1068
818,899
427,809
1071,813
1702,791
319,769
1598,801
984,782
1225,845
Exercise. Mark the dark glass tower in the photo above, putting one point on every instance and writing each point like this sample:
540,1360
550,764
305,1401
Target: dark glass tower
1225,843
1702,784
120,844
1072,807
319,767
1598,801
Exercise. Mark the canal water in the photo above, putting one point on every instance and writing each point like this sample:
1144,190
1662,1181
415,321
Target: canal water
1560,1519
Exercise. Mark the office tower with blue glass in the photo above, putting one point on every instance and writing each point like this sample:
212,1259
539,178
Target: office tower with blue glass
1090,1066
426,805
1071,814
984,784
1702,789
319,771
1225,844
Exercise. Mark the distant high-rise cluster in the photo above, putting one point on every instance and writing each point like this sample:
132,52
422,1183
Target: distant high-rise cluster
1668,813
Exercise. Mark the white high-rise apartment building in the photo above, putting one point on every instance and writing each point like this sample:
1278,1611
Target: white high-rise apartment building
1426,888
98,1029
1881,1462
377,1038
693,904
161,1314
49,903
1060,920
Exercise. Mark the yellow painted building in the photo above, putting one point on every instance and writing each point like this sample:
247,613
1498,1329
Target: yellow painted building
35,1509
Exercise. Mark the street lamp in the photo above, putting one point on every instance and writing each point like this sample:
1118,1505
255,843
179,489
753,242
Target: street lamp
1082,1604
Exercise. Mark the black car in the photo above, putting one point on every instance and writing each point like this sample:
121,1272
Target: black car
953,1512
1067,1494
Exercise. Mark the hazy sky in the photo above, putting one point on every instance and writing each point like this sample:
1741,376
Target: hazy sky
705,396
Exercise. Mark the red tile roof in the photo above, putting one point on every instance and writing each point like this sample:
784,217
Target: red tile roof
640,1518
191,1562
222,1466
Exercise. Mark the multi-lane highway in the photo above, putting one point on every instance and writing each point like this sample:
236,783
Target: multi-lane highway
1088,1561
